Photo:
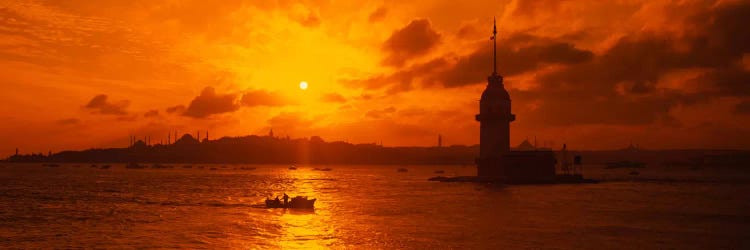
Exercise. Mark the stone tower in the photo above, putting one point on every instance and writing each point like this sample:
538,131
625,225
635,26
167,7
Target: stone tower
494,118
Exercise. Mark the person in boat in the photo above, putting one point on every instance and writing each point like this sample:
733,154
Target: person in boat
286,200
277,200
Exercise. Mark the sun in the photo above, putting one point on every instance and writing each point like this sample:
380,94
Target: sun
303,85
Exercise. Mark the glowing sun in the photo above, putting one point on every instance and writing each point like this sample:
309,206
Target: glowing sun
303,85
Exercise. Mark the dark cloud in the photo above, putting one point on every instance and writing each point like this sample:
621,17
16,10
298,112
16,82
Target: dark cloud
333,97
175,109
412,41
475,67
532,53
619,86
209,103
378,15
100,105
399,81
254,98
380,113
151,113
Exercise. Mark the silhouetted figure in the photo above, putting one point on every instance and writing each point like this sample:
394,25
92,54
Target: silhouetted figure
277,200
286,199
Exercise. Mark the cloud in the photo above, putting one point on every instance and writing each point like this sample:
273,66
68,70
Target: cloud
175,109
378,15
621,85
380,113
414,40
305,16
333,97
521,53
254,98
151,113
475,67
210,103
100,105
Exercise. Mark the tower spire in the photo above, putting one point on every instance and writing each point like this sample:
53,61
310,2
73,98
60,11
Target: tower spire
494,46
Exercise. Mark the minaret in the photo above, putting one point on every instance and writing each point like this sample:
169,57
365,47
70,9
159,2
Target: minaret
494,118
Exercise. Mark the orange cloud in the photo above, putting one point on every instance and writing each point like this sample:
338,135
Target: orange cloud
209,103
414,40
100,105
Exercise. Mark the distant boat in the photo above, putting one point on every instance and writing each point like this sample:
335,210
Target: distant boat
159,166
213,168
299,202
292,167
439,172
105,167
625,164
402,170
247,168
132,165
322,169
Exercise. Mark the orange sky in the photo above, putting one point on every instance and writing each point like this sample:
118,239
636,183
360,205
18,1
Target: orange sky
594,74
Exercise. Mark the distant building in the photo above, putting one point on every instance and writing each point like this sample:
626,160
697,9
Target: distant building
495,160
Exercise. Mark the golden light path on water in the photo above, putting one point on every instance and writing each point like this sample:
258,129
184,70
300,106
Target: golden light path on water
303,229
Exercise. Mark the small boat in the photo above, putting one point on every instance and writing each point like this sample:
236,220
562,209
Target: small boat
292,167
323,169
159,166
402,170
299,202
105,167
134,166
247,168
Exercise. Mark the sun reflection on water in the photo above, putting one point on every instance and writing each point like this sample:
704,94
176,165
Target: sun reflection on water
306,229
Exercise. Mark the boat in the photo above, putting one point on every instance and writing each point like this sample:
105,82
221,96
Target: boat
292,167
134,165
402,170
299,202
439,172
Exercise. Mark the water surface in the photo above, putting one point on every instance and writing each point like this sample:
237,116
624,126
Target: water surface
365,207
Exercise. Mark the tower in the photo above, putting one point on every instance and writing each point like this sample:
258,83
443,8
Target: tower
494,118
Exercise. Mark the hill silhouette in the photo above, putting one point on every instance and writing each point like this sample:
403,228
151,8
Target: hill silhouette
262,150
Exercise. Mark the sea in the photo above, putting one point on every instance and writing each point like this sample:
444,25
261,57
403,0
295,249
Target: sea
201,206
